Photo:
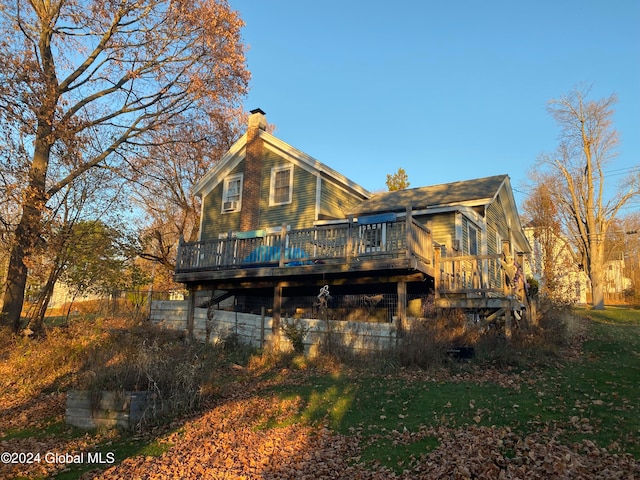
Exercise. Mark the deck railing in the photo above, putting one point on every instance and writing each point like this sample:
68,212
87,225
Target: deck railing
341,243
344,243
469,274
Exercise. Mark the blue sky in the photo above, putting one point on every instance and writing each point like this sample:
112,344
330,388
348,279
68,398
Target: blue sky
447,90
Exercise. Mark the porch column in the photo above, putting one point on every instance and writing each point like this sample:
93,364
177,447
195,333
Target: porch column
402,306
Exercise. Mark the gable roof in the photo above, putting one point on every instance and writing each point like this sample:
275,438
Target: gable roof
479,191
237,153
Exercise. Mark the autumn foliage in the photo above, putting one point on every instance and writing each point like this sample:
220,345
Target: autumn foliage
91,86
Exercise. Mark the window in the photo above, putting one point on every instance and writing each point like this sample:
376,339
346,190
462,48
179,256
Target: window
281,185
232,194
473,241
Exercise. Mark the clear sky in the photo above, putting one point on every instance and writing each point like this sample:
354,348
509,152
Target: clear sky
447,90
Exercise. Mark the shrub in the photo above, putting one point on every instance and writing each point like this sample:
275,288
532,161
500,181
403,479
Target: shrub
148,358
295,333
427,343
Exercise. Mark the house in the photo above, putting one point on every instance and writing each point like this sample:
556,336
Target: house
284,233
616,283
566,281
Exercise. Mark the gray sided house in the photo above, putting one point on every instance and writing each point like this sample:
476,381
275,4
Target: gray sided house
284,234
263,183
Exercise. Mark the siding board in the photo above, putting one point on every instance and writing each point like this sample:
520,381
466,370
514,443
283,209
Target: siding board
335,201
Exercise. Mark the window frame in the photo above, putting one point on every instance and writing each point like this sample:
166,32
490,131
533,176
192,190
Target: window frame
472,229
272,185
226,194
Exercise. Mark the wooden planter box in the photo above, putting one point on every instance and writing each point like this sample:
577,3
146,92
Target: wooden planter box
92,409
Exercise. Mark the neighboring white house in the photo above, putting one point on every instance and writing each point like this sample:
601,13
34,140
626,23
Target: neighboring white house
573,282
62,295
615,281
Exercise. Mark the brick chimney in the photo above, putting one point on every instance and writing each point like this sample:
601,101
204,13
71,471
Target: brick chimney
250,214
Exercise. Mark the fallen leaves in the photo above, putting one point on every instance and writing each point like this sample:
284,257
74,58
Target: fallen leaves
252,431
231,441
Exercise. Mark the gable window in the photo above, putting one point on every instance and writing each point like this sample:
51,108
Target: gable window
281,185
232,193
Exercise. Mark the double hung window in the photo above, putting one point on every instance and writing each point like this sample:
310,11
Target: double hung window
280,192
232,194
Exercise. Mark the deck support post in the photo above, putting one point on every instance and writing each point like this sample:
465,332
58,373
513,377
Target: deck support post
402,307
507,324
409,232
277,311
191,308
437,272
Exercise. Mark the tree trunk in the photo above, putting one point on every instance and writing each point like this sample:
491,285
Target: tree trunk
15,284
27,232
36,319
597,275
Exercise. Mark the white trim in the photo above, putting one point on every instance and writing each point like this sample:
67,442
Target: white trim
272,184
457,241
318,196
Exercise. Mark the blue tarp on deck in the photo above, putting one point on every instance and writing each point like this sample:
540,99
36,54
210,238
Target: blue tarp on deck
266,254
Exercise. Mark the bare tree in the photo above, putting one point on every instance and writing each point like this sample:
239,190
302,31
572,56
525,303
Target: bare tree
94,198
165,192
92,80
587,205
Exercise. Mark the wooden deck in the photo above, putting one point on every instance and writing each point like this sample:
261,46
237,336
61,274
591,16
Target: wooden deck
399,252
351,250
359,253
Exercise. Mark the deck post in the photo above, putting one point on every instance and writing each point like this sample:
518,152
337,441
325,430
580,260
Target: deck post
283,244
506,254
228,249
409,229
191,308
179,261
402,307
507,323
277,309
350,239
437,272
262,319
